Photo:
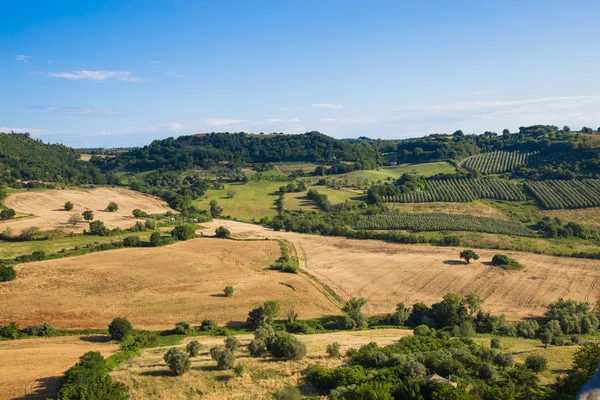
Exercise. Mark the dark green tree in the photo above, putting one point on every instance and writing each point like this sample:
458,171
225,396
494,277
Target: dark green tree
469,255
118,328
88,215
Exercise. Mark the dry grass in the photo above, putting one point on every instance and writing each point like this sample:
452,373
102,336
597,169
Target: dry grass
34,366
156,287
587,216
475,208
387,274
47,208
298,201
147,376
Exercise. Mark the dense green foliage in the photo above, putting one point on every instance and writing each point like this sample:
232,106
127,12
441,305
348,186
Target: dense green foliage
177,361
566,194
118,328
498,162
7,273
89,379
506,262
442,222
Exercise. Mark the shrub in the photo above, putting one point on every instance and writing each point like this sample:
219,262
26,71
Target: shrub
488,372
68,206
135,340
222,232
118,328
131,241
557,340
228,291
44,329
138,227
9,213
7,273
289,393
139,213
98,228
333,350
10,331
208,325
506,262
422,330
575,339
469,255
238,370
74,219
155,239
193,348
495,343
150,224
503,360
287,346
215,209
184,232
183,328
224,357
177,361
537,363
112,207
88,215
89,379
232,344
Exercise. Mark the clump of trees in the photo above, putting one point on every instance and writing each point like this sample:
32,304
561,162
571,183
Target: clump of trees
506,262
8,213
7,273
184,232
44,329
264,314
222,232
278,344
224,357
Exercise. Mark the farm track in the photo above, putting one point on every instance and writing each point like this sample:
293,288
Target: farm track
387,274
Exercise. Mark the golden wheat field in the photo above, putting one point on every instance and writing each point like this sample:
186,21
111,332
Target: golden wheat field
47,208
156,287
386,273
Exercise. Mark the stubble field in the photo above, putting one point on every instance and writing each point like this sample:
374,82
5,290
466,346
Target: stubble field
47,208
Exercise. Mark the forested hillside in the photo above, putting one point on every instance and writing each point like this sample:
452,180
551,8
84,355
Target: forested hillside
236,148
25,159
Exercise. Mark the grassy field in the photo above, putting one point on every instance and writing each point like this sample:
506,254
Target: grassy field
288,168
382,173
255,199
476,208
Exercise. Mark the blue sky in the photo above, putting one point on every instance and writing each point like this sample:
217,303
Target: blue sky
121,73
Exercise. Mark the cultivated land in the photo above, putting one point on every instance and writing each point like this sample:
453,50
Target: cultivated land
156,287
35,366
387,274
475,208
48,213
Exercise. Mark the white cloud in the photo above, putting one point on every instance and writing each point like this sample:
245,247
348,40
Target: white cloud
77,110
97,75
274,120
33,131
327,105
223,122
22,57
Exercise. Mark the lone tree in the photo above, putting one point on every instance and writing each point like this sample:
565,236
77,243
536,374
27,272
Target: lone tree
469,255
7,214
118,328
177,361
112,206
74,219
88,215
215,209
354,310
184,232
222,232
193,348
69,206
228,291
155,239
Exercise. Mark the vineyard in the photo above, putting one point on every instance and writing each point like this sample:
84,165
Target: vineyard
554,195
499,162
443,222
460,190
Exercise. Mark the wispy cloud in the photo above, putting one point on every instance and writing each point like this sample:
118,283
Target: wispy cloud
327,105
154,62
219,123
174,74
97,75
77,110
22,57
33,131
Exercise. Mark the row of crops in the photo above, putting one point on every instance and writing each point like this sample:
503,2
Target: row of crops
499,162
566,194
461,190
443,222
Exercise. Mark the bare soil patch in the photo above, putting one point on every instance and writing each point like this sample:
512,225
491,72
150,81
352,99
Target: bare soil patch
156,287
35,366
386,273
47,208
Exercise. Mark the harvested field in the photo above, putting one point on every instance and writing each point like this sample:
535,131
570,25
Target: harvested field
34,366
47,208
387,274
147,376
156,287
475,208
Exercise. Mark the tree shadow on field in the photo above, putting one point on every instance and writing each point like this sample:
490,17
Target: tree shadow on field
158,372
223,378
217,295
488,264
235,324
95,338
207,368
454,262
44,388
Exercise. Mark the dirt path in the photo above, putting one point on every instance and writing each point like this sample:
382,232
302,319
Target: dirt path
386,273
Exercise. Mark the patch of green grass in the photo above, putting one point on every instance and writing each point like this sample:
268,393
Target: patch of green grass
424,169
14,249
254,199
340,195
522,211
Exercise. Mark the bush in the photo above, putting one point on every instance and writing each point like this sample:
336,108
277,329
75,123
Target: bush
422,330
222,232
135,340
10,331
112,207
98,228
177,361
503,360
150,224
118,328
88,215
139,213
155,239
238,370
7,273
9,213
575,339
131,241
487,372
89,379
44,329
69,206
289,393
184,232
228,291
193,348
537,363
224,357
333,350
183,328
469,255
287,346
138,227
495,343
232,344
506,262
208,325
